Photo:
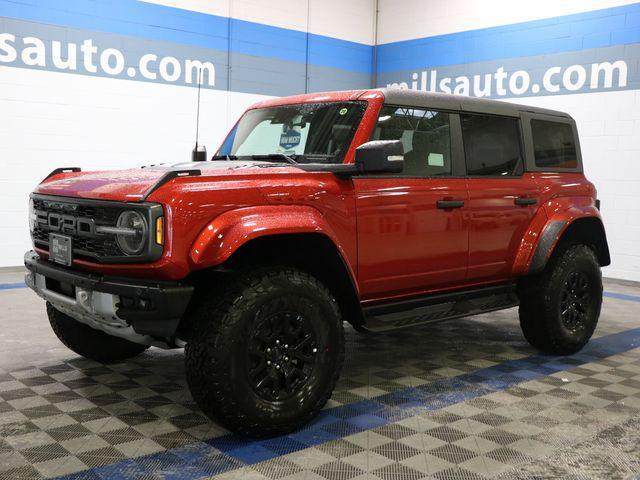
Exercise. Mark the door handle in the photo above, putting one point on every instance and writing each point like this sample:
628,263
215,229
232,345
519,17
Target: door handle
525,201
445,204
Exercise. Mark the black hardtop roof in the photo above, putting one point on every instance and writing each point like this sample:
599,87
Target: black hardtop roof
420,99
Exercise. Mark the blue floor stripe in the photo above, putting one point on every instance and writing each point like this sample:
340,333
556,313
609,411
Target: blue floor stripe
11,286
230,452
622,296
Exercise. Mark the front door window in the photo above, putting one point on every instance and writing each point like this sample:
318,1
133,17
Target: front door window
425,135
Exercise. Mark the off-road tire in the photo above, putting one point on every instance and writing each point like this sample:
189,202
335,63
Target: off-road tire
542,301
224,327
89,342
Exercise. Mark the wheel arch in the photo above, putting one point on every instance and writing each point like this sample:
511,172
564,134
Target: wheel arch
312,252
229,231
559,233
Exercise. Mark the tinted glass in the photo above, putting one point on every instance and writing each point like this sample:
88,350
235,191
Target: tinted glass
492,145
425,135
310,132
553,144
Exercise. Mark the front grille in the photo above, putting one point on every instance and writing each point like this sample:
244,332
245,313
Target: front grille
96,247
79,218
104,215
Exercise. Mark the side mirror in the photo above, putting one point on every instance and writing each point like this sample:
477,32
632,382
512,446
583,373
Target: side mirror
199,154
380,156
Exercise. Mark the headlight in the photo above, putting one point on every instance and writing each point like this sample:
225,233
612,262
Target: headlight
133,232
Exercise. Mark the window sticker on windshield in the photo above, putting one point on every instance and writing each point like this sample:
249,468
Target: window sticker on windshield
435,160
343,111
289,137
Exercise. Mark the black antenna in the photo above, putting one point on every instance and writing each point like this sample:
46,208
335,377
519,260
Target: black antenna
198,105
199,154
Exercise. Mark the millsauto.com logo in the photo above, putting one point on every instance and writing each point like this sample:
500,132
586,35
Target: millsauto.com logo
86,57
500,82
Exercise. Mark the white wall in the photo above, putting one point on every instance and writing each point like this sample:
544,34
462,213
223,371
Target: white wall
409,19
349,20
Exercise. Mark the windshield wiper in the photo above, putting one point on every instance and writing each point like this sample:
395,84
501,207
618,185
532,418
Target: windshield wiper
276,156
224,157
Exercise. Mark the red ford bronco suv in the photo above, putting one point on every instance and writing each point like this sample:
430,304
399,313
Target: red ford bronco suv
382,208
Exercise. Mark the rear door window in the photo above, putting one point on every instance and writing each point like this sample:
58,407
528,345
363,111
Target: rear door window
492,145
554,145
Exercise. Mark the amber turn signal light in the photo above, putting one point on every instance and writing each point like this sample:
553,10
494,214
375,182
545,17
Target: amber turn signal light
160,230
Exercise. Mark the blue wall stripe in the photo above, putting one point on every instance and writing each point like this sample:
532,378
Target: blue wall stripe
594,29
230,452
159,22
125,17
247,74
570,33
146,21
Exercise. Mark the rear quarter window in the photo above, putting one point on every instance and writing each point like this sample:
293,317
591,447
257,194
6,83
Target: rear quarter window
491,144
554,145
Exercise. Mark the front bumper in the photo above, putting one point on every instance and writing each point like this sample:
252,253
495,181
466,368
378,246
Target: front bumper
142,311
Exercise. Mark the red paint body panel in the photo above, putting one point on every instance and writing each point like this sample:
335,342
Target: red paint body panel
496,224
406,244
566,197
122,185
229,231
388,230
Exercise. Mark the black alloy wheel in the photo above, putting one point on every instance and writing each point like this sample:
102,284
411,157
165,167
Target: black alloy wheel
282,355
574,301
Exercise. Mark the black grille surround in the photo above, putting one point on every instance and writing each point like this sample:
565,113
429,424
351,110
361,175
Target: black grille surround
87,244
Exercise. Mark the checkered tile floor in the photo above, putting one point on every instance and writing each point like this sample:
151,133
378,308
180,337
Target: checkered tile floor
465,399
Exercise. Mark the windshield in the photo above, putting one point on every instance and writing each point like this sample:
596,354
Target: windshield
308,132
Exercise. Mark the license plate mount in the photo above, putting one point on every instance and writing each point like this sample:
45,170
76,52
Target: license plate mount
60,249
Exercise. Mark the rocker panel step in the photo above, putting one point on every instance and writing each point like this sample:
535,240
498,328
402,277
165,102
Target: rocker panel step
436,308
